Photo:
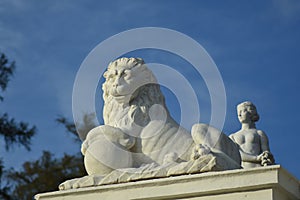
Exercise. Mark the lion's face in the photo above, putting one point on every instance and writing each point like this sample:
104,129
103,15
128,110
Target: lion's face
124,76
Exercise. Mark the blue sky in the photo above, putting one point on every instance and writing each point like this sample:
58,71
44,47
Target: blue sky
255,45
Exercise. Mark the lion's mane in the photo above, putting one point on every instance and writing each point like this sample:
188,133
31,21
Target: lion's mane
142,99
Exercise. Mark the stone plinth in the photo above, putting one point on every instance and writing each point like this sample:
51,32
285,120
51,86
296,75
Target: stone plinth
272,182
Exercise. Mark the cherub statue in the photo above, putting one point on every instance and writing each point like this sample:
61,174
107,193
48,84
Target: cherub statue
253,143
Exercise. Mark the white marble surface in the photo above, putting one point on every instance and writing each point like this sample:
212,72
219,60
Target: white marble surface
138,131
253,143
271,182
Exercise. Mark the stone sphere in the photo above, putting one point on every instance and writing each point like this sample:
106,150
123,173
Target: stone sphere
103,155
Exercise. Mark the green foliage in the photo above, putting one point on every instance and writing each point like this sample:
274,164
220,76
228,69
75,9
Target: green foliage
6,71
44,174
4,191
15,132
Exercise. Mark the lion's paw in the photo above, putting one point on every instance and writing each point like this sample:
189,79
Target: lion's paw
86,181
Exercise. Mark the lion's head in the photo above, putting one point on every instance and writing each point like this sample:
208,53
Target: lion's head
132,88
124,76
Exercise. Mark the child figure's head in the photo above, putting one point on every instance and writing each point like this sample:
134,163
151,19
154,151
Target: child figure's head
247,112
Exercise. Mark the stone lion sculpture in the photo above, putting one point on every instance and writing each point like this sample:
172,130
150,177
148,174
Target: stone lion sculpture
139,138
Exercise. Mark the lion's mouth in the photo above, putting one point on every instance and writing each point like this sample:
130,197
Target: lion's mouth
123,98
116,94
120,96
120,91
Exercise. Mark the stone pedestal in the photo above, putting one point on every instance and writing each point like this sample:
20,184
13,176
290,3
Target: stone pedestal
268,183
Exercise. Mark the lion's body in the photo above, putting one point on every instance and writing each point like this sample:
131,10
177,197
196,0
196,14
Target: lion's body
137,123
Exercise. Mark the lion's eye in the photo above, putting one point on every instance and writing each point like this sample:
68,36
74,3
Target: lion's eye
127,74
122,73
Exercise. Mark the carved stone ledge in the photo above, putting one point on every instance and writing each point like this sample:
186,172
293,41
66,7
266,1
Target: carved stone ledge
272,182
